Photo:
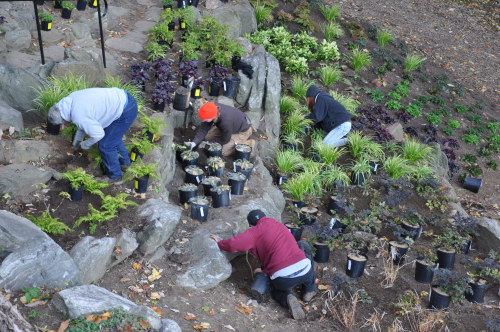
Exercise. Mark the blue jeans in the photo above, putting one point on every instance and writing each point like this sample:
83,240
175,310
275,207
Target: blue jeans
113,151
336,136
281,287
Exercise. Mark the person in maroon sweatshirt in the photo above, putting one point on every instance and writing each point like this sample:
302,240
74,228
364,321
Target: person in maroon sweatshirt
282,258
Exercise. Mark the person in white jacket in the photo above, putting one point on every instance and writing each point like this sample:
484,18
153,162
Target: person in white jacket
105,115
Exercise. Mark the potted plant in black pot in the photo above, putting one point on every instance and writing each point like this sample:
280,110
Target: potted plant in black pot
213,149
189,158
243,166
357,245
188,69
141,173
151,127
287,162
194,175
216,166
360,171
67,8
483,273
411,222
216,81
425,265
447,287
167,4
210,182
237,182
140,74
322,240
186,192
221,196
448,244
161,95
138,147
58,4
199,208
295,227
77,179
46,21
466,226
161,34
81,5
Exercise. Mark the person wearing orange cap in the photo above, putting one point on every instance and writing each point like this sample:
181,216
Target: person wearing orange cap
223,124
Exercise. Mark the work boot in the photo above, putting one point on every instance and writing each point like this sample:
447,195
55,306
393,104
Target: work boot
308,296
295,307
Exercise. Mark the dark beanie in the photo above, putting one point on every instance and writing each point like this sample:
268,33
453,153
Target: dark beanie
254,216
312,91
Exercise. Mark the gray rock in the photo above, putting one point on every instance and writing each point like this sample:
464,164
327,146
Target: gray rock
52,36
164,156
124,44
143,26
26,19
396,130
81,61
439,162
18,39
239,16
225,101
127,243
92,256
158,255
15,231
489,234
213,4
168,325
38,263
10,117
80,31
161,220
22,60
84,300
21,179
54,52
12,320
22,151
208,266
18,87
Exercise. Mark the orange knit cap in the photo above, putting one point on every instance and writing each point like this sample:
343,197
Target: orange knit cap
207,111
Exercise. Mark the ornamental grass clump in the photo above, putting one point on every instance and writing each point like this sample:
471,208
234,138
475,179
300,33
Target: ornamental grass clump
384,37
296,122
360,59
396,166
349,103
263,11
413,62
132,89
332,31
299,87
330,13
328,154
415,152
288,161
358,143
334,175
302,185
288,104
329,75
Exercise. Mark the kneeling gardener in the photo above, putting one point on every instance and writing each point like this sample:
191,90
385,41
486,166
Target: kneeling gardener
283,259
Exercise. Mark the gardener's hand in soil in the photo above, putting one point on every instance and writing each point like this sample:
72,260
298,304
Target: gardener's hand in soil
257,270
76,146
215,237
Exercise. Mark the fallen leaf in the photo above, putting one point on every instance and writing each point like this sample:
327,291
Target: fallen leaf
144,324
157,310
155,296
136,266
211,312
190,317
117,251
64,325
155,275
229,327
324,287
91,318
136,289
125,279
244,309
105,315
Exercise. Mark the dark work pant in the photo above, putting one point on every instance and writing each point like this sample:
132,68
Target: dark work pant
281,287
113,151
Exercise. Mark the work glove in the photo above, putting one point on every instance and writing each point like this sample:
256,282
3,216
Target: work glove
203,144
76,146
191,145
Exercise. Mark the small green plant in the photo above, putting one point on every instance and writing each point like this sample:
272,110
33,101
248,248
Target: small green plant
301,185
139,170
299,87
384,37
377,96
329,75
32,314
349,103
434,119
155,50
263,11
471,139
77,178
150,125
334,175
474,118
414,109
69,131
413,62
403,88
112,204
461,109
450,240
31,293
49,224
296,123
288,161
140,144
394,105
330,13
45,17
360,168
360,59
492,164
470,158
68,5
292,139
332,31
453,124
415,152
396,166
111,320
93,218
327,154
474,170
288,104
358,143
494,126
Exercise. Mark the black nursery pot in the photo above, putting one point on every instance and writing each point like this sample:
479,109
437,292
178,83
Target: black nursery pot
171,26
189,162
281,178
261,287
473,184
295,230
246,171
374,166
193,178
412,231
231,85
355,265
141,184
467,246
186,195
439,299
337,224
398,252
76,194
322,254
213,153
185,80
220,199
57,4
81,5
193,3
218,172
424,272
40,2
53,129
237,186
208,186
358,181
181,101
66,13
134,154
159,107
333,206
298,204
308,215
446,258
479,288
199,211
182,3
213,90
241,152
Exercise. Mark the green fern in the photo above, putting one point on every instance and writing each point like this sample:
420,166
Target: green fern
93,218
111,204
49,224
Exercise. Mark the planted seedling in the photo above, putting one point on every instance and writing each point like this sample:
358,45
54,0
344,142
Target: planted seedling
49,224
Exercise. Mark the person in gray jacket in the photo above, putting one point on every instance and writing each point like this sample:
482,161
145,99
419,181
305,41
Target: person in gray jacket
105,115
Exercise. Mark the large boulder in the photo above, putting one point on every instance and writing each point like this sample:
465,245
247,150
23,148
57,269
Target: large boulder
15,231
161,220
489,234
126,243
261,95
12,320
17,40
84,300
81,61
22,151
239,16
18,87
93,257
439,162
21,179
10,117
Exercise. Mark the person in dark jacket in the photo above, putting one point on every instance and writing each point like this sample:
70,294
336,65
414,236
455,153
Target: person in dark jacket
223,124
287,262
329,115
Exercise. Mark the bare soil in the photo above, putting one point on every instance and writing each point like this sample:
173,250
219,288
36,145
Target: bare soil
227,306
